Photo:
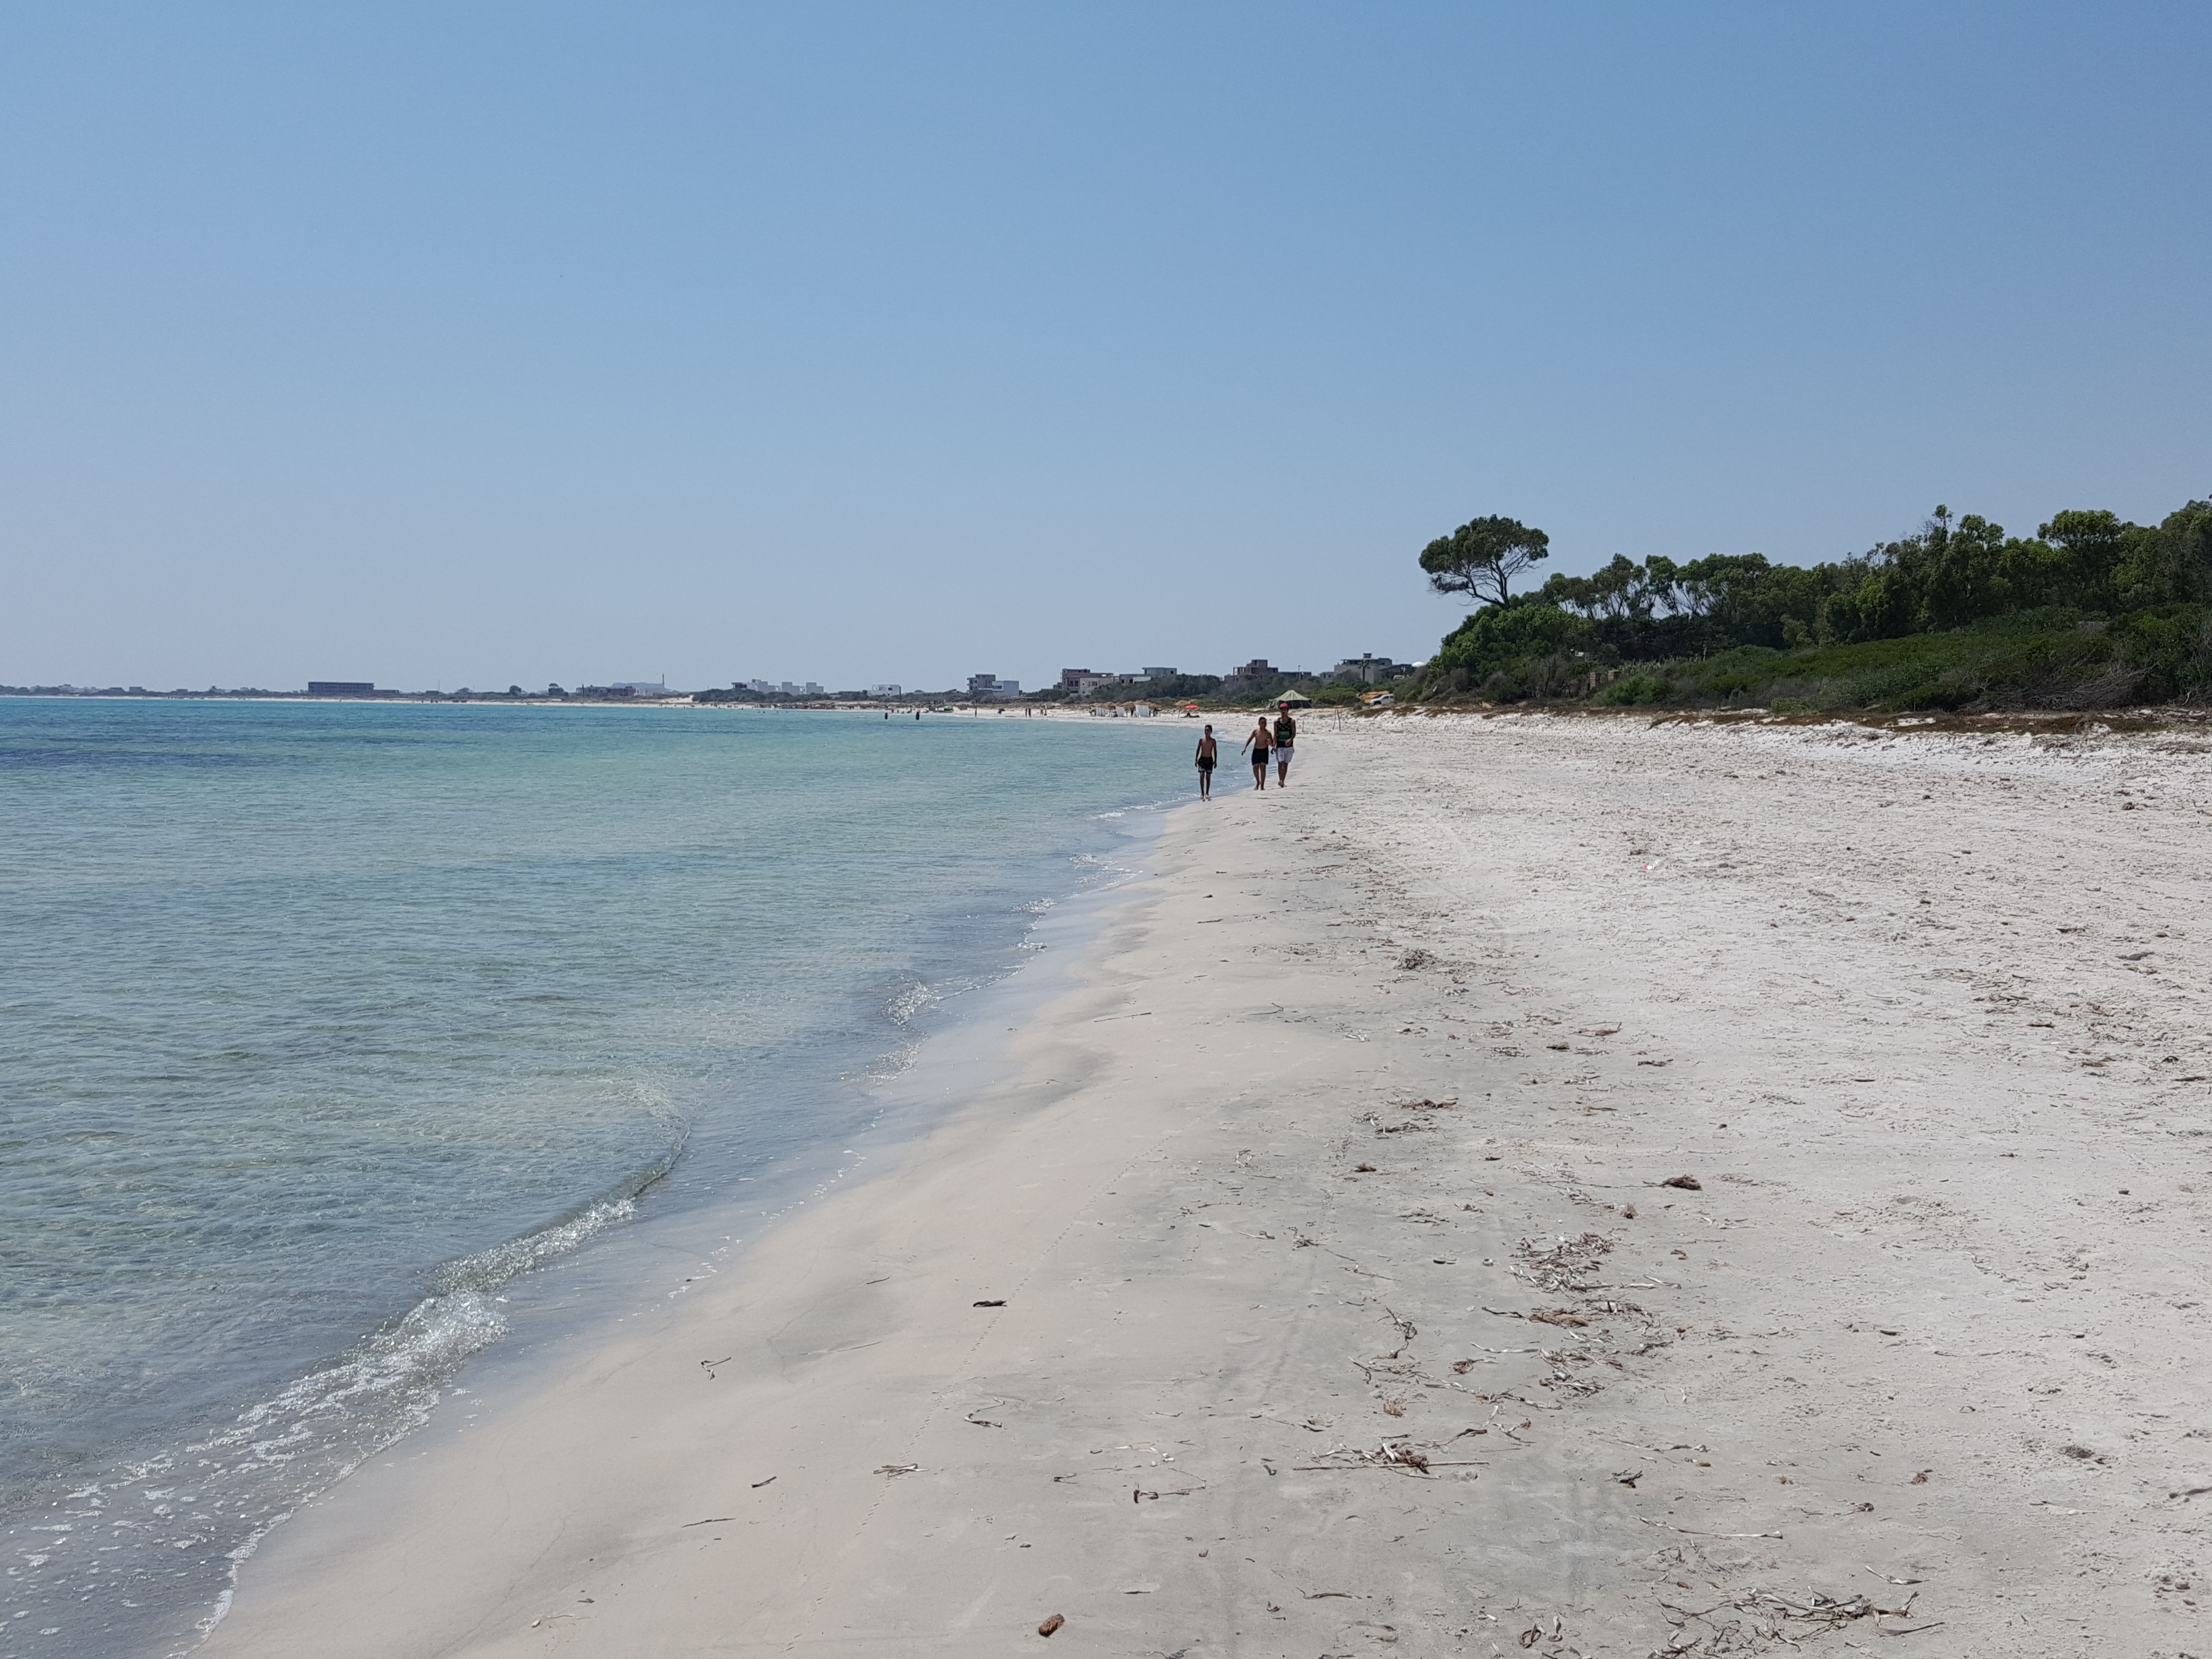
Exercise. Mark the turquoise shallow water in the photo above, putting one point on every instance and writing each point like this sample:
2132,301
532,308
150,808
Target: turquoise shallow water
322,1023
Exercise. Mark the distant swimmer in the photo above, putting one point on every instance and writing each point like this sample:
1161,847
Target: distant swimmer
1208,753
1260,743
1286,733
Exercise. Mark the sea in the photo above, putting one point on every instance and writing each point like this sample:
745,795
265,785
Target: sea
336,1037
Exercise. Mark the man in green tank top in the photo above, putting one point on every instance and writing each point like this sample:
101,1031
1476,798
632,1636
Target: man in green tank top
1286,733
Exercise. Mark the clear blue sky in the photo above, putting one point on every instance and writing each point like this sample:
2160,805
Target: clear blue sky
474,343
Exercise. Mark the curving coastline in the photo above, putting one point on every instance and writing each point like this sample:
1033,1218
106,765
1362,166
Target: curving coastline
1314,1273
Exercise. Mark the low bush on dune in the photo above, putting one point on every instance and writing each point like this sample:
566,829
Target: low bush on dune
2067,663
1635,690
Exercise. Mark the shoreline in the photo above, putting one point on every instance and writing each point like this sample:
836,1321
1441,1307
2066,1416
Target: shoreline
299,1424
1346,1299
638,1265
445,1472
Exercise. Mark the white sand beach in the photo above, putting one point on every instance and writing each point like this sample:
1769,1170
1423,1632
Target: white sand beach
1308,1282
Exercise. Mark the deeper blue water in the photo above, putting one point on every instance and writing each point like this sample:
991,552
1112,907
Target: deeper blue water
321,1023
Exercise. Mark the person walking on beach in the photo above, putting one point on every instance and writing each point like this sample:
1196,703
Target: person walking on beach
1286,733
1208,753
1259,743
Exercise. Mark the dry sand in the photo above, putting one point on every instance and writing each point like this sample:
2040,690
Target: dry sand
1920,1015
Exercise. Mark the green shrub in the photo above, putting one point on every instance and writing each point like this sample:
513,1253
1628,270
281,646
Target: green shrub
1635,691
1505,638
1940,694
2171,647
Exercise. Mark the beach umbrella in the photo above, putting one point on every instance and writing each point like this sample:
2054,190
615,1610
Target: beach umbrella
1292,699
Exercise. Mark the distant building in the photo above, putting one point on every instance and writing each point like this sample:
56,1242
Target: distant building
606,691
884,691
990,686
1261,677
340,688
1368,669
1158,674
1075,677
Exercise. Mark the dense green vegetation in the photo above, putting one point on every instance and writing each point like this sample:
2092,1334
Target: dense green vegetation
2090,612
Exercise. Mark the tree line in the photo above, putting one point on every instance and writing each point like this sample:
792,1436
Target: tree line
2116,596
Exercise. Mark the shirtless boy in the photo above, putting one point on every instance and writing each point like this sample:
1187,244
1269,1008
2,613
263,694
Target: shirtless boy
1260,742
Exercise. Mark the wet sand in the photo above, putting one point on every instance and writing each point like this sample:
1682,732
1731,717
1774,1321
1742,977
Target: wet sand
1307,1282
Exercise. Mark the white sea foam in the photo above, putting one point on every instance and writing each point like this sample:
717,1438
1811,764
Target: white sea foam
910,1000
332,1419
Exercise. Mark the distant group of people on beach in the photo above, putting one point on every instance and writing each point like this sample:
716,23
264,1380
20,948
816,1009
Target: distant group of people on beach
1266,741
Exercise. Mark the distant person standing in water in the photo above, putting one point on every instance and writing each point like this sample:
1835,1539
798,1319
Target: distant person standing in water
1286,733
1208,754
1259,743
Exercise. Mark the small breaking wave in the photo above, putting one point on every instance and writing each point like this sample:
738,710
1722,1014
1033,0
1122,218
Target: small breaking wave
910,1001
204,1508
487,1270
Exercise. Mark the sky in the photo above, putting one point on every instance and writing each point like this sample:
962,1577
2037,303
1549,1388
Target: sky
477,345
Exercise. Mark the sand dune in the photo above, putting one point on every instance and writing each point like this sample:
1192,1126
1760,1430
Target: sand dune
1311,1282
